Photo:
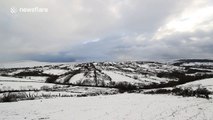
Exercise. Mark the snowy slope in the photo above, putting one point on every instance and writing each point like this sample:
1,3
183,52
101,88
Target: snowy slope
120,78
37,78
12,83
55,71
5,86
140,73
13,79
113,107
207,83
76,78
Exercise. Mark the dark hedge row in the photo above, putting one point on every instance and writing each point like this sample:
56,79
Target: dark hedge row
186,92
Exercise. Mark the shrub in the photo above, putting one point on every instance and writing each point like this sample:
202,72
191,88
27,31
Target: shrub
29,73
199,92
4,74
125,86
52,79
158,91
163,91
9,97
202,92
46,88
55,87
135,77
177,90
186,92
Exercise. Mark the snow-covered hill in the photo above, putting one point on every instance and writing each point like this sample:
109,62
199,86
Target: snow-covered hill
142,74
204,83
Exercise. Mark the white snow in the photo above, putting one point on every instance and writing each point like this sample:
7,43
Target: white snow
120,78
197,64
11,83
61,79
55,71
13,79
76,78
129,69
37,78
5,86
207,83
112,107
16,72
145,66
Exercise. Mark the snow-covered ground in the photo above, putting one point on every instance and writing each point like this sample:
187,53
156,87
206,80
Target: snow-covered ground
37,78
28,83
8,86
197,63
206,83
76,78
55,71
112,107
13,79
120,78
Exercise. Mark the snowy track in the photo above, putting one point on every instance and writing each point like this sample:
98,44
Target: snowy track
112,107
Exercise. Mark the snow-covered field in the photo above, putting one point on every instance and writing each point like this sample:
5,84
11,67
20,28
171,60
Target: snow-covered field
9,86
112,107
24,79
13,79
37,78
207,83
76,78
12,83
55,71
119,78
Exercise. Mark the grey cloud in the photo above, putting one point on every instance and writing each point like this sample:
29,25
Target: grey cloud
125,29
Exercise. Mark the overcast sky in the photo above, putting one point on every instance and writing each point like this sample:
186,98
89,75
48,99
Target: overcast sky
100,30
